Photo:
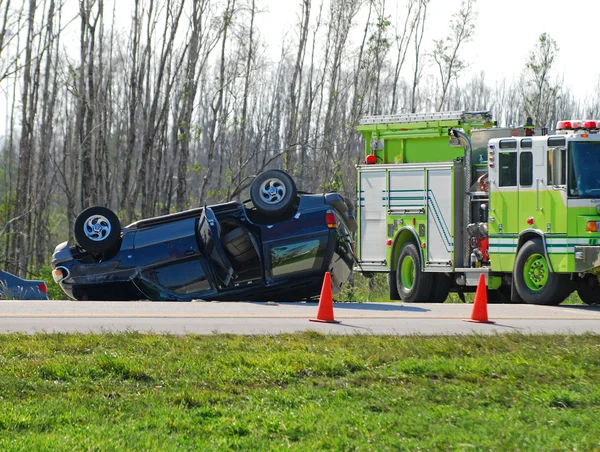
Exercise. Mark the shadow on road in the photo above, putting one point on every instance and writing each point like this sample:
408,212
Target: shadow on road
356,306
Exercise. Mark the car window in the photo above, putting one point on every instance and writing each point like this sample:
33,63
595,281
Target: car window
182,278
298,256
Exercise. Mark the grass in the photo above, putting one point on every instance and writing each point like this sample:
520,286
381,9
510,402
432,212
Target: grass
305,391
376,289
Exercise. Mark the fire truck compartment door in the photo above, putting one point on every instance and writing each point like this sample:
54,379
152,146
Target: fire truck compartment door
372,207
440,242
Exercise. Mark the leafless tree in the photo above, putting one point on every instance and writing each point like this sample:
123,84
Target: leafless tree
446,52
421,19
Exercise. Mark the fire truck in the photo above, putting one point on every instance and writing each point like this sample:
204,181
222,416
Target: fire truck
446,197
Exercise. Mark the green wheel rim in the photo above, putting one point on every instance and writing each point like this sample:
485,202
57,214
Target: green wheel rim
535,272
407,272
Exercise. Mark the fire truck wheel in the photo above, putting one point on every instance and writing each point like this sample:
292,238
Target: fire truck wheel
413,284
534,281
501,295
441,288
588,290
394,294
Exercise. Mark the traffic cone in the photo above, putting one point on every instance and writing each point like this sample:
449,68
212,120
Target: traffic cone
479,314
325,312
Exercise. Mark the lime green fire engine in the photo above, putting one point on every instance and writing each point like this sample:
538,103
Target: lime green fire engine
446,197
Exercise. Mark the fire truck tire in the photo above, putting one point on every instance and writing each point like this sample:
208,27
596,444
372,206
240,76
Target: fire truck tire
589,291
394,294
500,295
441,288
534,281
413,284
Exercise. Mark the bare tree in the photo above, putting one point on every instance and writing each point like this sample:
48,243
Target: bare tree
446,51
201,44
218,118
295,92
418,41
28,106
540,91
402,41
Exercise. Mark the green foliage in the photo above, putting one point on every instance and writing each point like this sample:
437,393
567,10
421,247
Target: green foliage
335,184
303,391
361,288
195,168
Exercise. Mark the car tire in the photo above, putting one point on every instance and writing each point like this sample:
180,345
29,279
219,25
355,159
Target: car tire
534,281
413,284
273,193
97,229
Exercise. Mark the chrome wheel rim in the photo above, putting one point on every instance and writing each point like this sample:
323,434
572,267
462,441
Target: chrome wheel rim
97,228
272,191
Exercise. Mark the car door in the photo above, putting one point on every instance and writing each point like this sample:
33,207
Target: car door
209,241
170,263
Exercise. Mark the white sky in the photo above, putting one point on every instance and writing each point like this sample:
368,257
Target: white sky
507,30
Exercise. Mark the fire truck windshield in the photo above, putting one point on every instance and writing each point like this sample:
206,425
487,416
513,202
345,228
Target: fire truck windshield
584,169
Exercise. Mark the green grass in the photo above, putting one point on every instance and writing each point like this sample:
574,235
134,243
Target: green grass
376,289
305,391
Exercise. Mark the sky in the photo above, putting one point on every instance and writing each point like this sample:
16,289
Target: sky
506,32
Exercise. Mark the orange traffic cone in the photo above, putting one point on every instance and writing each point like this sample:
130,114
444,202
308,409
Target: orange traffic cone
325,312
479,314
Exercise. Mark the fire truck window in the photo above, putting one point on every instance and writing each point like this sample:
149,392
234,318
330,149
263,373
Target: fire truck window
508,169
526,143
549,175
557,166
556,141
508,144
526,169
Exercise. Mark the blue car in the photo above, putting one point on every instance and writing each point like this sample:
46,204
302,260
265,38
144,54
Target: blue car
276,246
14,288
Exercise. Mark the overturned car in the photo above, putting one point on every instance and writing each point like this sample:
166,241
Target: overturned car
276,246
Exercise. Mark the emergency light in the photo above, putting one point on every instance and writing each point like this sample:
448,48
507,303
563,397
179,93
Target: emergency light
574,125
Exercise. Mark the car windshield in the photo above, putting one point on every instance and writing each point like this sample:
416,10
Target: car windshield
584,173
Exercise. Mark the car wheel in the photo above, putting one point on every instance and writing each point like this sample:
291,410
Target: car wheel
413,284
97,229
273,193
534,281
589,291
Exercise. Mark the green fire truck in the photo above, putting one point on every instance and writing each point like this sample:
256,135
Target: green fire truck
446,197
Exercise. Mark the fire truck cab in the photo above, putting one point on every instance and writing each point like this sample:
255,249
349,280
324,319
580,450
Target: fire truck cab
446,197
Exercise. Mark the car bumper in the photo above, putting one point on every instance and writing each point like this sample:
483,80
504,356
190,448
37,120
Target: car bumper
97,281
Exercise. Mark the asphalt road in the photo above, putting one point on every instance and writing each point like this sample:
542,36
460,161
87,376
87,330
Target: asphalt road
272,318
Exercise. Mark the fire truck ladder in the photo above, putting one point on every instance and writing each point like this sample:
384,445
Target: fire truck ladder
463,116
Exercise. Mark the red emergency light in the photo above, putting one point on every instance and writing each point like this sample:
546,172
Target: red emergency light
564,125
371,159
568,125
